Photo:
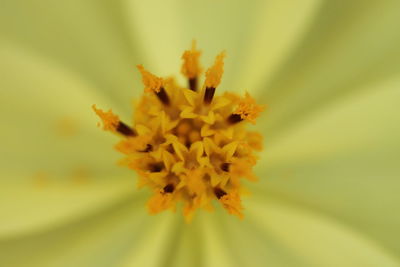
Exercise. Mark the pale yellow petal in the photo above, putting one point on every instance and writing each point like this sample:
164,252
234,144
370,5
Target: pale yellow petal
348,47
314,239
99,238
344,161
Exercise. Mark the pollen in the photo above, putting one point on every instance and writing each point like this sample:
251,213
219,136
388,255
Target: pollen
248,109
214,73
150,81
191,67
189,147
109,119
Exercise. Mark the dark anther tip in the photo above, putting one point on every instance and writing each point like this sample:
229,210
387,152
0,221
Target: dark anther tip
193,84
124,129
219,192
225,167
156,167
209,94
169,188
163,96
234,118
148,148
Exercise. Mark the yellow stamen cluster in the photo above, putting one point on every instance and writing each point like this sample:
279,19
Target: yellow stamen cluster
189,146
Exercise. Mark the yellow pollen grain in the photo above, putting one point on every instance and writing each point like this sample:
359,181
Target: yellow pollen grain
151,82
185,152
109,119
191,67
214,73
248,109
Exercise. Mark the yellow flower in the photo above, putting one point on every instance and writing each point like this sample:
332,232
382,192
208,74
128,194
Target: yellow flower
192,146
327,189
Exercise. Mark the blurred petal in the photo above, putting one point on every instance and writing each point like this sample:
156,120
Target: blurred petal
86,37
246,242
277,28
155,242
315,240
344,161
349,46
166,28
157,26
99,238
47,178
215,250
38,96
27,208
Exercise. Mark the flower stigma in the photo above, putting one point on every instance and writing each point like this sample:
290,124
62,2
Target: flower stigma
188,145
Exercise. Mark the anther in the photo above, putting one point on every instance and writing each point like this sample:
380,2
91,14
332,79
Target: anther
234,118
148,148
112,123
225,166
219,192
156,167
193,84
191,67
208,95
124,129
163,96
169,188
154,84
247,110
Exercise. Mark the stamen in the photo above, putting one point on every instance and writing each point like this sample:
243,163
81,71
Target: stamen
208,95
247,110
219,192
162,95
169,188
149,148
124,129
193,84
213,78
191,67
110,120
154,84
112,123
225,166
156,167
232,204
234,118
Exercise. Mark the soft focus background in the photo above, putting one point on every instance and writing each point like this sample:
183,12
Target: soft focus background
329,186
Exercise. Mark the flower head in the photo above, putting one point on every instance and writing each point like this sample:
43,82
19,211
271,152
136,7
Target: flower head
187,145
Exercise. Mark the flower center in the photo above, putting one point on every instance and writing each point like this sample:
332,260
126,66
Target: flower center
188,145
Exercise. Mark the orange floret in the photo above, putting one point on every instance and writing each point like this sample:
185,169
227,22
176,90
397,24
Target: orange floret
159,202
232,204
248,109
